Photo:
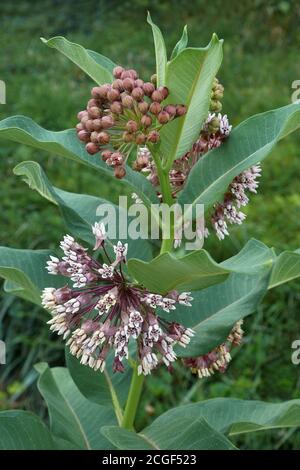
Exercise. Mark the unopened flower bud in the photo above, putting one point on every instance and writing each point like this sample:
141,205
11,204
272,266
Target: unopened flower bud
153,137
84,119
103,138
163,117
171,109
93,102
146,121
219,92
131,126
127,137
140,138
118,84
120,172
107,121
157,96
97,124
116,107
106,154
79,127
215,106
133,74
127,101
115,159
96,92
155,108
148,88
81,114
154,79
92,148
103,90
143,107
125,74
94,112
94,137
89,125
128,84
84,136
137,93
164,91
180,110
117,71
139,83
113,95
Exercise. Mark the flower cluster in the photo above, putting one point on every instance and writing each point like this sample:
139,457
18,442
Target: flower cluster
103,310
124,113
234,198
215,131
217,359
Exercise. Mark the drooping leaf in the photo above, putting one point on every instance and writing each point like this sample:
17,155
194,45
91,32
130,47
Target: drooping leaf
96,386
66,144
197,270
160,52
21,430
216,309
192,433
286,268
181,44
72,417
189,79
248,144
80,210
233,416
97,66
25,274
164,273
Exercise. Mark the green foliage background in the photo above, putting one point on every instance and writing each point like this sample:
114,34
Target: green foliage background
262,42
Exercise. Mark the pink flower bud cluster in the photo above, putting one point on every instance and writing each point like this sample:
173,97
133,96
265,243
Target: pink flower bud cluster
122,114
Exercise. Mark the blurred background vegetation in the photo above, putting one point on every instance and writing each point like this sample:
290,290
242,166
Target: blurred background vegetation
262,43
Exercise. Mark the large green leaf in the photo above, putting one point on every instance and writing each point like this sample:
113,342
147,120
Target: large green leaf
66,144
191,433
164,273
248,144
189,79
25,274
286,268
160,52
233,416
97,386
72,417
181,44
98,67
78,210
198,270
21,430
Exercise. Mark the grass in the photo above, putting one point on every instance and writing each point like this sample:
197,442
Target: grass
260,64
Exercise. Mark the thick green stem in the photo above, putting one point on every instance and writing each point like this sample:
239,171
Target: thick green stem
133,399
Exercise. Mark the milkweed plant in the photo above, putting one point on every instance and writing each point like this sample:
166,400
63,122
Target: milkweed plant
124,305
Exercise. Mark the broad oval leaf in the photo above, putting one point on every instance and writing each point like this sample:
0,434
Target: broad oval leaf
66,144
21,430
97,66
164,273
233,416
286,268
248,144
189,79
25,273
72,417
80,210
99,387
191,433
